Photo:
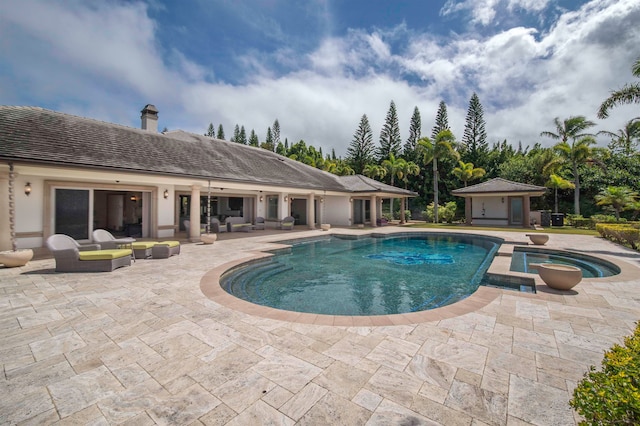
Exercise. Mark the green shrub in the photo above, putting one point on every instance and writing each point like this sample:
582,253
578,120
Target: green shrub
446,213
387,216
612,395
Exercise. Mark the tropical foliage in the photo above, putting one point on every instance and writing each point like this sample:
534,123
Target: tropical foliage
580,175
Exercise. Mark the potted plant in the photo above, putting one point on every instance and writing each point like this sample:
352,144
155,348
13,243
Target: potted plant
14,257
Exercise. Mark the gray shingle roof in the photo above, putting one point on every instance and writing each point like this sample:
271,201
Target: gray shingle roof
359,183
499,185
34,134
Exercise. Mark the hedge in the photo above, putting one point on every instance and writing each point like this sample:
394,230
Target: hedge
612,395
624,234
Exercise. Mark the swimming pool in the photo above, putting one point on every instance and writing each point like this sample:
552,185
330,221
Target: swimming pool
591,267
366,276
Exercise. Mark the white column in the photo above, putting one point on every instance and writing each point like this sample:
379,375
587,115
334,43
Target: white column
311,217
373,205
5,234
194,214
285,207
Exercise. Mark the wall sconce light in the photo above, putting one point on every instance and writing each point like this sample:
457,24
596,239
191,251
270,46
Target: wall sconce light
27,189
166,194
133,198
261,198
286,198
350,199
322,199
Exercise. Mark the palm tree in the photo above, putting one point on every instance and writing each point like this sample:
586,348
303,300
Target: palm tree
374,171
557,182
395,167
618,198
466,172
410,169
626,139
576,153
629,94
441,147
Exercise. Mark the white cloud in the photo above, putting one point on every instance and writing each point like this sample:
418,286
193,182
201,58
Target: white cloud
105,62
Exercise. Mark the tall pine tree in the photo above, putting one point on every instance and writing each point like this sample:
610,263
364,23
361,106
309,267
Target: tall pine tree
475,146
390,140
211,131
242,136
415,131
236,134
275,131
442,120
253,139
220,134
361,149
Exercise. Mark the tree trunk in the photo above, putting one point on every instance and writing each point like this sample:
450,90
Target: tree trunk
435,190
556,199
576,194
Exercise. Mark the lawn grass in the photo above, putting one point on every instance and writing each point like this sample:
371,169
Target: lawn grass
550,230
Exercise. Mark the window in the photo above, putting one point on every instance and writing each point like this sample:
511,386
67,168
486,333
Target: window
72,213
272,207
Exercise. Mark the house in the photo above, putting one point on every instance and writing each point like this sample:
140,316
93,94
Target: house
499,202
76,174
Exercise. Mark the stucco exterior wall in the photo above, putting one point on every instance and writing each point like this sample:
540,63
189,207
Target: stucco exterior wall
490,210
336,211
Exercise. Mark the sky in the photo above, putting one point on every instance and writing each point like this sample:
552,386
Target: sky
318,65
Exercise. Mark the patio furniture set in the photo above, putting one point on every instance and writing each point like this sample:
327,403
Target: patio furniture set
106,253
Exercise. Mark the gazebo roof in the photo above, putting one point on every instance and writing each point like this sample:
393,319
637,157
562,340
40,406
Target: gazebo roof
498,186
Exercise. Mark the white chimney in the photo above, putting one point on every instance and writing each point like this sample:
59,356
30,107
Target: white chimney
149,118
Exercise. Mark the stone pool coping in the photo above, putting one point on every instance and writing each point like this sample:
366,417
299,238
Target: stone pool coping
210,286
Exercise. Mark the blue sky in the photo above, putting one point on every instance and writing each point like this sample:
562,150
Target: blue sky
318,66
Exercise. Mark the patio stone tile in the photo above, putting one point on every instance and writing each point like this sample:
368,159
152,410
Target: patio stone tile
469,377
185,343
440,413
300,403
432,371
389,413
261,413
485,405
512,363
277,396
88,416
242,391
457,353
41,373
394,385
534,341
219,416
16,407
130,375
566,369
132,350
39,318
589,341
394,353
83,390
537,403
529,309
183,408
495,379
367,399
133,401
342,379
334,410
56,345
289,372
227,365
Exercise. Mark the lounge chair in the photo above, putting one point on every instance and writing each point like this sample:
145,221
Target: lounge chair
72,257
259,223
216,226
108,241
287,223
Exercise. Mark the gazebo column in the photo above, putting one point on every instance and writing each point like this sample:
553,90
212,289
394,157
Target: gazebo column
372,210
526,210
468,210
311,217
5,234
194,214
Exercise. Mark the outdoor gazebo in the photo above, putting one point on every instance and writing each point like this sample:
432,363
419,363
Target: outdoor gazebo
499,202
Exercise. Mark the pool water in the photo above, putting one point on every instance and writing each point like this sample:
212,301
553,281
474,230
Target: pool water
591,267
367,276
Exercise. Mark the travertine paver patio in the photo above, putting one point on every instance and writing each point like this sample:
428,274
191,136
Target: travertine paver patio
143,345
